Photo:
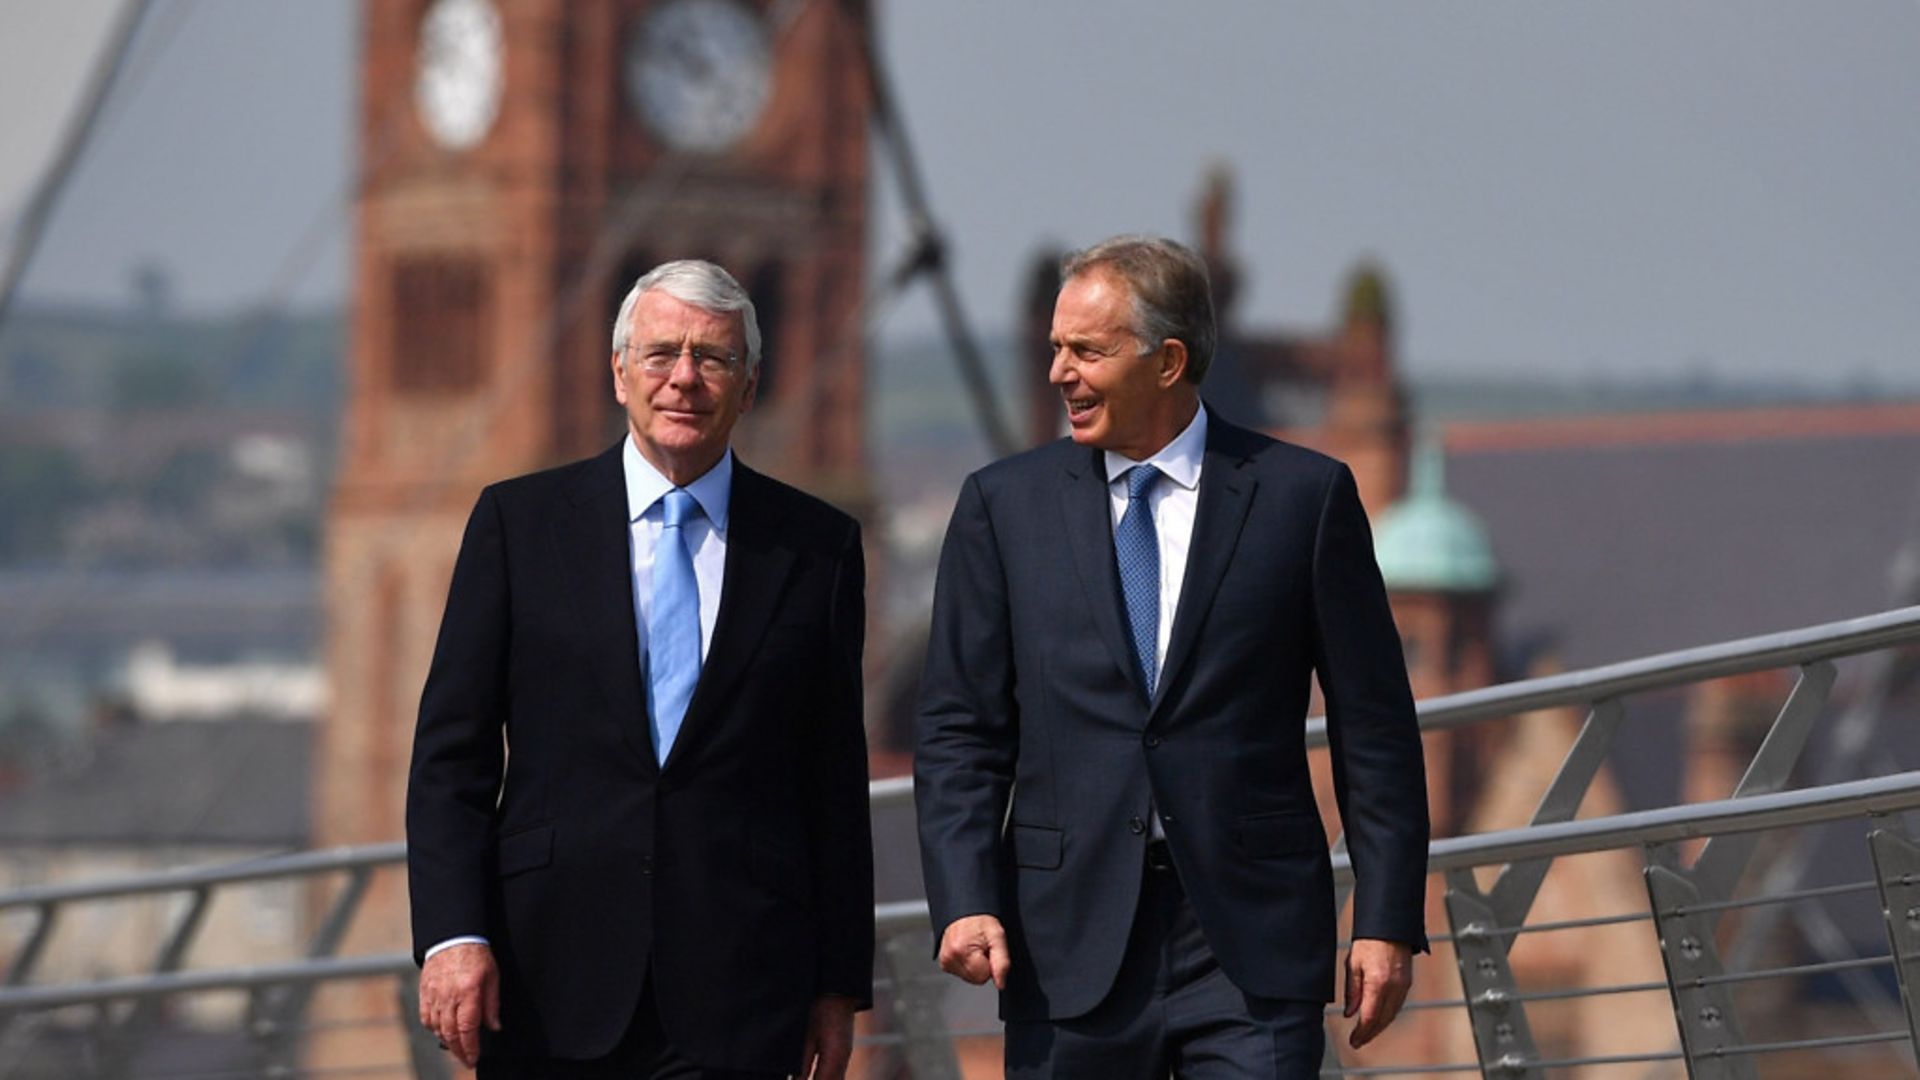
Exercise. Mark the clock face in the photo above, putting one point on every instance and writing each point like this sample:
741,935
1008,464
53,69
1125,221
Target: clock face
697,72
457,76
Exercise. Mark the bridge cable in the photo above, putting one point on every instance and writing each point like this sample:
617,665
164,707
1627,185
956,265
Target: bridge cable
926,248
33,221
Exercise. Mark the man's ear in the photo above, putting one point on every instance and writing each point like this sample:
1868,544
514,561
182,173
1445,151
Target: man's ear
619,380
1173,362
750,392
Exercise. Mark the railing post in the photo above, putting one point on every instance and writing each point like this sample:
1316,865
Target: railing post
118,1041
1705,1014
1500,1030
1896,866
919,991
272,1038
1501,1034
29,954
275,1014
1725,858
24,962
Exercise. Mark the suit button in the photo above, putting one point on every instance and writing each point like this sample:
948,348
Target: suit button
646,865
1136,826
1153,741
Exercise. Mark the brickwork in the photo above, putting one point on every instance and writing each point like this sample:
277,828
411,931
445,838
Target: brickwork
513,254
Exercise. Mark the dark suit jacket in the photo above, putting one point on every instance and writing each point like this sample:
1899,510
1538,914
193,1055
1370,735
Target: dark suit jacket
741,872
1030,692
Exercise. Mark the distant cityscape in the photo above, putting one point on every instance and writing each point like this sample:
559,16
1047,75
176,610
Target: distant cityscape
164,478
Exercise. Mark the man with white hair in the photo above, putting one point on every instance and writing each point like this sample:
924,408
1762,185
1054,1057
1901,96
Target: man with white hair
637,815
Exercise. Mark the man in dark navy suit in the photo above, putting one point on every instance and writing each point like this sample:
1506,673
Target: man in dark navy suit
637,834
1117,822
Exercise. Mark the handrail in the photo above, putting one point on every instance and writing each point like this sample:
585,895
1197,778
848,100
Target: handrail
1761,653
194,877
887,792
1751,813
26,998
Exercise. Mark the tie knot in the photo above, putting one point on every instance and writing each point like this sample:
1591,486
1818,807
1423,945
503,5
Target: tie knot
1140,481
677,506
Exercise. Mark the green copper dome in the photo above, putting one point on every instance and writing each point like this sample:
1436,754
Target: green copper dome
1427,542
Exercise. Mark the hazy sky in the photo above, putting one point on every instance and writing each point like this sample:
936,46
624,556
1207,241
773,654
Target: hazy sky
1617,187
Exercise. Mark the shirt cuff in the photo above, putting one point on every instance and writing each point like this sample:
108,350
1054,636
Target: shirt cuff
465,939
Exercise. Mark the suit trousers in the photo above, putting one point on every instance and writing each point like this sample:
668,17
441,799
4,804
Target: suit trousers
1171,1011
643,1054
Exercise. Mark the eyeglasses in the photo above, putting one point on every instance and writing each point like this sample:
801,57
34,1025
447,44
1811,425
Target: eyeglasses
710,362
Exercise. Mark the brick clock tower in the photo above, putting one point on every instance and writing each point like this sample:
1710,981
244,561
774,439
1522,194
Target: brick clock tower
522,161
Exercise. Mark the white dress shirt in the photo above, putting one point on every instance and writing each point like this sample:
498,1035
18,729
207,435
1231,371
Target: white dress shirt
706,534
1172,501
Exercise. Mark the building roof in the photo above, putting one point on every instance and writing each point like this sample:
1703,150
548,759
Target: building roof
1428,542
201,614
223,782
1622,537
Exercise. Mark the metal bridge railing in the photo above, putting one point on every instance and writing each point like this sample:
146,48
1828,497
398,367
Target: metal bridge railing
118,1014
1694,910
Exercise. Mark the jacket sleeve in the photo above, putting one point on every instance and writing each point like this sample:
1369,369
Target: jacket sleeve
968,723
458,743
1379,770
841,833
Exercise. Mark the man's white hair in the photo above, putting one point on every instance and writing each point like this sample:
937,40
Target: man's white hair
697,282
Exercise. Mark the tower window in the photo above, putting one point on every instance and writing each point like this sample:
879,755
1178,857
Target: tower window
440,339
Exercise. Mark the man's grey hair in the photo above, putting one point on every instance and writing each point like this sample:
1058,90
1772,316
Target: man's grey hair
1172,294
697,282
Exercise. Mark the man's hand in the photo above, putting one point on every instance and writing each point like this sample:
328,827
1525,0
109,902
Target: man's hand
1379,973
829,1039
459,989
975,948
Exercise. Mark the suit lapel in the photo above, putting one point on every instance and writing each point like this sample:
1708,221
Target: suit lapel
593,543
1089,528
756,571
1226,491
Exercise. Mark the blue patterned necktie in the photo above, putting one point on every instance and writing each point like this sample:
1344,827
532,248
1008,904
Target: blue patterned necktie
1136,548
673,625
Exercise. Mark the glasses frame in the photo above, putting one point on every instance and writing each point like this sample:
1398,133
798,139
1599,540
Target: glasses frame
708,362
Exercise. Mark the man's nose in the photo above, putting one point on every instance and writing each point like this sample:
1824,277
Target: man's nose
1059,371
685,373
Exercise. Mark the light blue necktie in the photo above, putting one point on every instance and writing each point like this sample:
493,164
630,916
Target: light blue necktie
1136,549
673,625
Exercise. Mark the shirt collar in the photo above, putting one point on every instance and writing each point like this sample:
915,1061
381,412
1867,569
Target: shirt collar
1179,459
713,490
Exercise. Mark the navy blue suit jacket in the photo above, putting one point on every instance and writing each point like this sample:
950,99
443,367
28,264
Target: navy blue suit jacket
1030,695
